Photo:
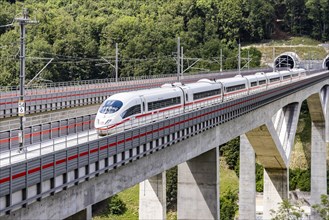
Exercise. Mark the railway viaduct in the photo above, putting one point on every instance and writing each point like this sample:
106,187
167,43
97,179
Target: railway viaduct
266,123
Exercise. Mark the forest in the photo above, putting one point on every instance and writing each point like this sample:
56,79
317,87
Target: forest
80,34
80,37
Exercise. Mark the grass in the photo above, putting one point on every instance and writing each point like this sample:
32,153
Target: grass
305,48
295,41
305,53
228,178
131,198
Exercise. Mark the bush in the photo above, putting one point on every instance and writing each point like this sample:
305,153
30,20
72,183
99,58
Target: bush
171,193
231,152
323,208
300,179
259,178
116,205
228,205
287,211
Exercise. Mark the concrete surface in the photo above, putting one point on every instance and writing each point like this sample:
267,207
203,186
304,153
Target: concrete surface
198,187
152,198
275,189
317,104
247,180
318,163
266,145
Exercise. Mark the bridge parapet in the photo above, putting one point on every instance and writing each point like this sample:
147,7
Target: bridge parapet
201,130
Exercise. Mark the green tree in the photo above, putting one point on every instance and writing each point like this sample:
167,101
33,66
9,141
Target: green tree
231,20
7,13
287,211
296,16
323,208
9,57
260,20
255,56
315,15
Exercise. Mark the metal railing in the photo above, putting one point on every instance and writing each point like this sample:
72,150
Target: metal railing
43,132
12,156
34,89
8,157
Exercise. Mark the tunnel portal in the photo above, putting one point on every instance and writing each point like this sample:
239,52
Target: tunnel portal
287,60
326,63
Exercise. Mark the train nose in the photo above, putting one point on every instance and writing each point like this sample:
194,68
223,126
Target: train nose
103,121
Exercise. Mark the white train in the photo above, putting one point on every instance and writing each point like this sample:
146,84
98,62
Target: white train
130,109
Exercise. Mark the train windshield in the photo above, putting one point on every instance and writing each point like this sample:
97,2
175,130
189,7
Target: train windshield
110,106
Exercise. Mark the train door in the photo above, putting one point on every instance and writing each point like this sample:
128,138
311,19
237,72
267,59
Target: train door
143,109
188,99
184,97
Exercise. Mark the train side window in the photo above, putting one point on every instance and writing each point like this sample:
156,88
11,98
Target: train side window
131,111
275,79
253,84
262,82
204,94
234,88
163,103
186,97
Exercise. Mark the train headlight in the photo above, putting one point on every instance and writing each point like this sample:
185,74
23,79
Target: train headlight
108,121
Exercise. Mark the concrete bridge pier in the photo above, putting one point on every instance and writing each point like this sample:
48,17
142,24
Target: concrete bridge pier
325,103
152,198
272,144
276,186
247,180
198,187
318,163
317,106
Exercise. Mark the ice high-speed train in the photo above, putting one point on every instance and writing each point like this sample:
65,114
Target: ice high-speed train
129,109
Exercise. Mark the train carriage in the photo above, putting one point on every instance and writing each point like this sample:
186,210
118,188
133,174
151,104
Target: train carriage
234,87
127,110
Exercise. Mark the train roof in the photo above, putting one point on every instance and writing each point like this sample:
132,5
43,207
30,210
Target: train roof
207,81
285,72
272,74
252,77
125,96
232,81
297,70
203,84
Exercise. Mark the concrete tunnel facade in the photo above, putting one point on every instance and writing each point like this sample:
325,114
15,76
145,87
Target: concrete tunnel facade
287,60
325,64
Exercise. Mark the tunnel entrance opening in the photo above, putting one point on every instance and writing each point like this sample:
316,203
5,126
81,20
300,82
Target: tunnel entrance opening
285,61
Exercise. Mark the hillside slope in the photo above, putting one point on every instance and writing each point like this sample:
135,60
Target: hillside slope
305,48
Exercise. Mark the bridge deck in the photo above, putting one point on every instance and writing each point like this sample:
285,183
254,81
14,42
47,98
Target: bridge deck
36,176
